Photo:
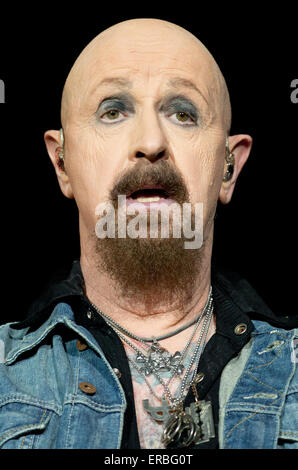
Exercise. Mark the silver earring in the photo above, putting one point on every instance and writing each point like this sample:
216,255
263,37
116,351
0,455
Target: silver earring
230,160
62,137
60,150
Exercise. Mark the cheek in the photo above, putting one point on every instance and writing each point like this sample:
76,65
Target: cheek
90,171
202,169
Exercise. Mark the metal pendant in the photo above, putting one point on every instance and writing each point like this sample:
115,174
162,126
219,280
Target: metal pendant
159,360
182,428
202,415
158,413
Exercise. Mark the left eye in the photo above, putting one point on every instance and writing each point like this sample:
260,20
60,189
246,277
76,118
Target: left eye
111,114
182,116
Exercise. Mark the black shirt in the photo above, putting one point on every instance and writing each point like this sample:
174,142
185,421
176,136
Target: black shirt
235,302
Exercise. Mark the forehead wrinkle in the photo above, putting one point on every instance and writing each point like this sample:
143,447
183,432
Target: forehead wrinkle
124,83
178,82
120,82
216,89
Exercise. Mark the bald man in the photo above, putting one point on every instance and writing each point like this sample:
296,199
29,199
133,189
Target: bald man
145,343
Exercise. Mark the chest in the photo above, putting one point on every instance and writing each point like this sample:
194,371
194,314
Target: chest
152,393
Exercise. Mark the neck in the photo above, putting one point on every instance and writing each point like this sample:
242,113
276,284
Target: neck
138,315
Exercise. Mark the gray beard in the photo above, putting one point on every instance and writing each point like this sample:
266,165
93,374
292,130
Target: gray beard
150,270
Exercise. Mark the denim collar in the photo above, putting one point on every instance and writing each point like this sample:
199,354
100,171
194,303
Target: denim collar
235,302
24,340
233,295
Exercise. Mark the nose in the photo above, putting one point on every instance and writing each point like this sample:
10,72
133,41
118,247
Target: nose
149,140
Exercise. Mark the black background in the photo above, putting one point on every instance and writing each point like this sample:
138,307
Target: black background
257,53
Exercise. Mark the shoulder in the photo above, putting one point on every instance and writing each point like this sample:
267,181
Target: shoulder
19,337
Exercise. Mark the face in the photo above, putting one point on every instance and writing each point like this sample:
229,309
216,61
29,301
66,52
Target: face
142,100
144,116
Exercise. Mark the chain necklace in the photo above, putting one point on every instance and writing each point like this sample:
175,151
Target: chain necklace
159,360
182,428
159,338
195,424
194,360
156,358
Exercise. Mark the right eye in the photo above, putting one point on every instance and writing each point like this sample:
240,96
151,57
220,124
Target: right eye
111,115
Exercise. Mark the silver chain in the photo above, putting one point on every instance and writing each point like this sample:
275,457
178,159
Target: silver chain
144,340
195,356
183,352
155,372
150,365
194,359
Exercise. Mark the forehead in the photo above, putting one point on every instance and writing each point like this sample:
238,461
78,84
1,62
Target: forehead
148,58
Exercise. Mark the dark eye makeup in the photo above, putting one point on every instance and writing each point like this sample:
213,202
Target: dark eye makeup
170,105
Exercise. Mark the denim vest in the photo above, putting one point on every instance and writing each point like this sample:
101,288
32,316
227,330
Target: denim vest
46,402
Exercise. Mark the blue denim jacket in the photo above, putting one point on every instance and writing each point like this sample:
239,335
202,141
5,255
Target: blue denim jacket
44,405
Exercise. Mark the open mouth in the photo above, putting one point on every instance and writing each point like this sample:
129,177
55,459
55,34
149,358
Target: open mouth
149,194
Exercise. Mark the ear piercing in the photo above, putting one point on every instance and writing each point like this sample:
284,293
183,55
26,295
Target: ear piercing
60,151
230,160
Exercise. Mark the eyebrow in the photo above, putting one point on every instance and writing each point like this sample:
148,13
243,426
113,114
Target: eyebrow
118,81
175,82
178,82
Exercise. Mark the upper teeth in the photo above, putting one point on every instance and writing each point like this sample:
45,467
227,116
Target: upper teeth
148,199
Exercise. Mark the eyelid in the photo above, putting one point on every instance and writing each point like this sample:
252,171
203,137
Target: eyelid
182,106
112,104
119,100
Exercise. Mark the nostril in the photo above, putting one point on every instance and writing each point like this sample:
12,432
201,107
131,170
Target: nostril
140,154
160,155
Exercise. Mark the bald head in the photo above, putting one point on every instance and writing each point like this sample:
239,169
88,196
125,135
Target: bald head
151,47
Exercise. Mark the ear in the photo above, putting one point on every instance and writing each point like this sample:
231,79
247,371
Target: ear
54,144
240,145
